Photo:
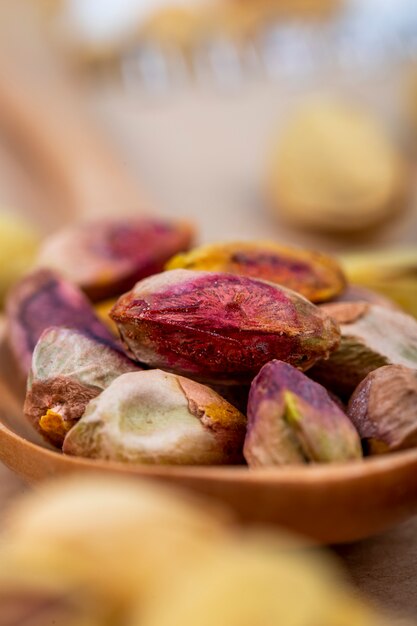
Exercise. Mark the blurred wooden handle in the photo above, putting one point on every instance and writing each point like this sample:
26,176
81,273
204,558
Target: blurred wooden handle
39,107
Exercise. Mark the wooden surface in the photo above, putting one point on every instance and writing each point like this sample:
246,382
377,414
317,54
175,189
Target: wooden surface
201,155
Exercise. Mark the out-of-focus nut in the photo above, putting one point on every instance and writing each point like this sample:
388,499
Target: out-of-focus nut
106,257
68,370
18,247
384,409
157,417
316,276
334,169
221,327
391,273
372,336
260,581
292,420
120,540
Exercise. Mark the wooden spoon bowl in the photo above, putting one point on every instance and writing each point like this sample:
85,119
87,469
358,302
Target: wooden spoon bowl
330,504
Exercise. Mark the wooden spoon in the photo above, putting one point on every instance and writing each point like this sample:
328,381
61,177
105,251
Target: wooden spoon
327,503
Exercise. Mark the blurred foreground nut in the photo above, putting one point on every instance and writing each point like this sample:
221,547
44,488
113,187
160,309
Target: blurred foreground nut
333,169
18,247
43,299
384,409
221,327
106,257
261,582
315,276
68,370
372,336
292,420
155,417
121,540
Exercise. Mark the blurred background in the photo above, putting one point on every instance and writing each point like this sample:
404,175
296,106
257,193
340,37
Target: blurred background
188,101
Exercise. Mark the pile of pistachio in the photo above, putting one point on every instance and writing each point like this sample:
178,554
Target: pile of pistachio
230,353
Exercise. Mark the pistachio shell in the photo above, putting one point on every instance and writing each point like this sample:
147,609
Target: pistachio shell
293,420
316,276
384,409
372,336
68,370
43,299
157,417
219,327
106,257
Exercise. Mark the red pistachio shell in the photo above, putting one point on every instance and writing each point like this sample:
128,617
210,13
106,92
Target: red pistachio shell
106,257
221,327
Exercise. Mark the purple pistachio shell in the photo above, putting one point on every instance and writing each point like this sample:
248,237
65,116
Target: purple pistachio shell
43,299
293,420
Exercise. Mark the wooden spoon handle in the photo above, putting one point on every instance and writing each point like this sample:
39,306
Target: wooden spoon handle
39,105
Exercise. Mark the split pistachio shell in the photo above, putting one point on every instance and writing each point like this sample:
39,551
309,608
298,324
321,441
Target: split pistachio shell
293,420
334,169
316,276
384,409
220,327
68,370
372,336
156,417
106,257
43,299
